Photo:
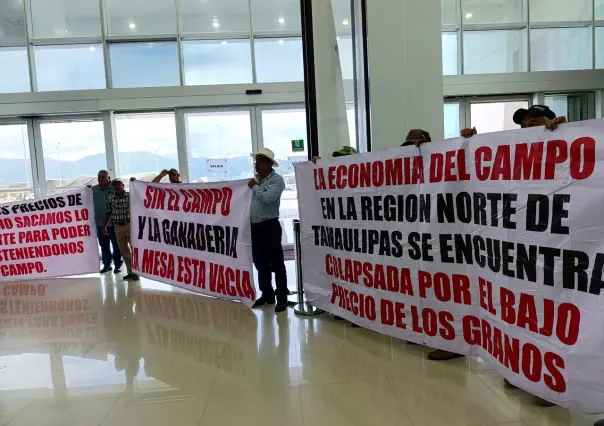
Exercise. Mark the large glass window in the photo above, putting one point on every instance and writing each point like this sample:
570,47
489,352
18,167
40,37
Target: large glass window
450,53
65,18
346,57
151,64
558,104
599,12
451,121
559,49
14,70
490,12
600,47
214,16
495,51
139,17
341,16
74,152
217,62
276,15
12,22
560,10
449,12
490,117
279,60
16,182
146,144
220,144
70,67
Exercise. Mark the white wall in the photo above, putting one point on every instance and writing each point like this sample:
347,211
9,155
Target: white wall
405,69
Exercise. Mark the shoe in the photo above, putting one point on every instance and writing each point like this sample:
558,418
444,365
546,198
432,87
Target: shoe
355,325
280,307
131,277
105,269
337,318
117,269
543,403
508,384
440,355
263,300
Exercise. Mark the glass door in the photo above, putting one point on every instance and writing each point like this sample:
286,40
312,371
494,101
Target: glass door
219,144
16,177
73,152
490,117
281,129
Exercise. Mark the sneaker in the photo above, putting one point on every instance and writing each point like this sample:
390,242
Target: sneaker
131,277
264,300
280,307
117,269
105,269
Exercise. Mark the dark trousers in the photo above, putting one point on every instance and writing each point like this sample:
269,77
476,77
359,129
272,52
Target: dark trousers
267,254
106,242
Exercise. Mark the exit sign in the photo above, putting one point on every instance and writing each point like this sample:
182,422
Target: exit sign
298,145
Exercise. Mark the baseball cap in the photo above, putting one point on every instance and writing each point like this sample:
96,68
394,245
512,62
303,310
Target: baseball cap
534,111
345,150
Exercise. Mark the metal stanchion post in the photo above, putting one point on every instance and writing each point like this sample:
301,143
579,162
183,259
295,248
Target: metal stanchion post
302,308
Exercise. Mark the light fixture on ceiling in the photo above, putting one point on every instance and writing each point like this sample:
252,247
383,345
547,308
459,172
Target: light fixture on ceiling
132,25
215,24
281,42
92,48
345,22
224,42
469,15
282,20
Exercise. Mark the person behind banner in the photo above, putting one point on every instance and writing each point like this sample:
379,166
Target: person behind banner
100,193
535,116
172,174
267,251
417,137
117,212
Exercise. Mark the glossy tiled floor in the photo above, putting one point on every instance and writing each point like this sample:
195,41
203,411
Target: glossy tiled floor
100,353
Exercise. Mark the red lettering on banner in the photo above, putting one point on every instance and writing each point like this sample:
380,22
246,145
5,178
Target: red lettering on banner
563,319
35,236
20,269
456,287
154,198
449,167
157,263
191,272
525,359
230,282
485,289
67,233
319,179
377,174
358,304
206,201
536,161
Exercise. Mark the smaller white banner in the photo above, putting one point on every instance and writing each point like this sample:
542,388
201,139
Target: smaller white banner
48,237
194,236
217,165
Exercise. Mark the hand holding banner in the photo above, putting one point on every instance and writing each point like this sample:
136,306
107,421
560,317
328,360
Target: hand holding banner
194,236
48,237
492,247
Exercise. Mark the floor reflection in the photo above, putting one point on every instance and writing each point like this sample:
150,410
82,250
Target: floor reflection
92,351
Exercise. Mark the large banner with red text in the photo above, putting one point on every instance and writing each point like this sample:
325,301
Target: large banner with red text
194,236
491,246
48,237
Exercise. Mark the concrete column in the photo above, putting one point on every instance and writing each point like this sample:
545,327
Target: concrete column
404,51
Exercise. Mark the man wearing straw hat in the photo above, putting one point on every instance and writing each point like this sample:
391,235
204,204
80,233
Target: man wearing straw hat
267,251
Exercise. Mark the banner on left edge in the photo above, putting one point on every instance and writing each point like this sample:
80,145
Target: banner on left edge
48,237
194,236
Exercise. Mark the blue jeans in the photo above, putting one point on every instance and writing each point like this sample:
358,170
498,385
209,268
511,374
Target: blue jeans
106,242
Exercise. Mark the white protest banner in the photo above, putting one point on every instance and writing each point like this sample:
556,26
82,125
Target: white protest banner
48,237
490,247
194,236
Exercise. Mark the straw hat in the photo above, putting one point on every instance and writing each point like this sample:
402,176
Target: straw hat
266,153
